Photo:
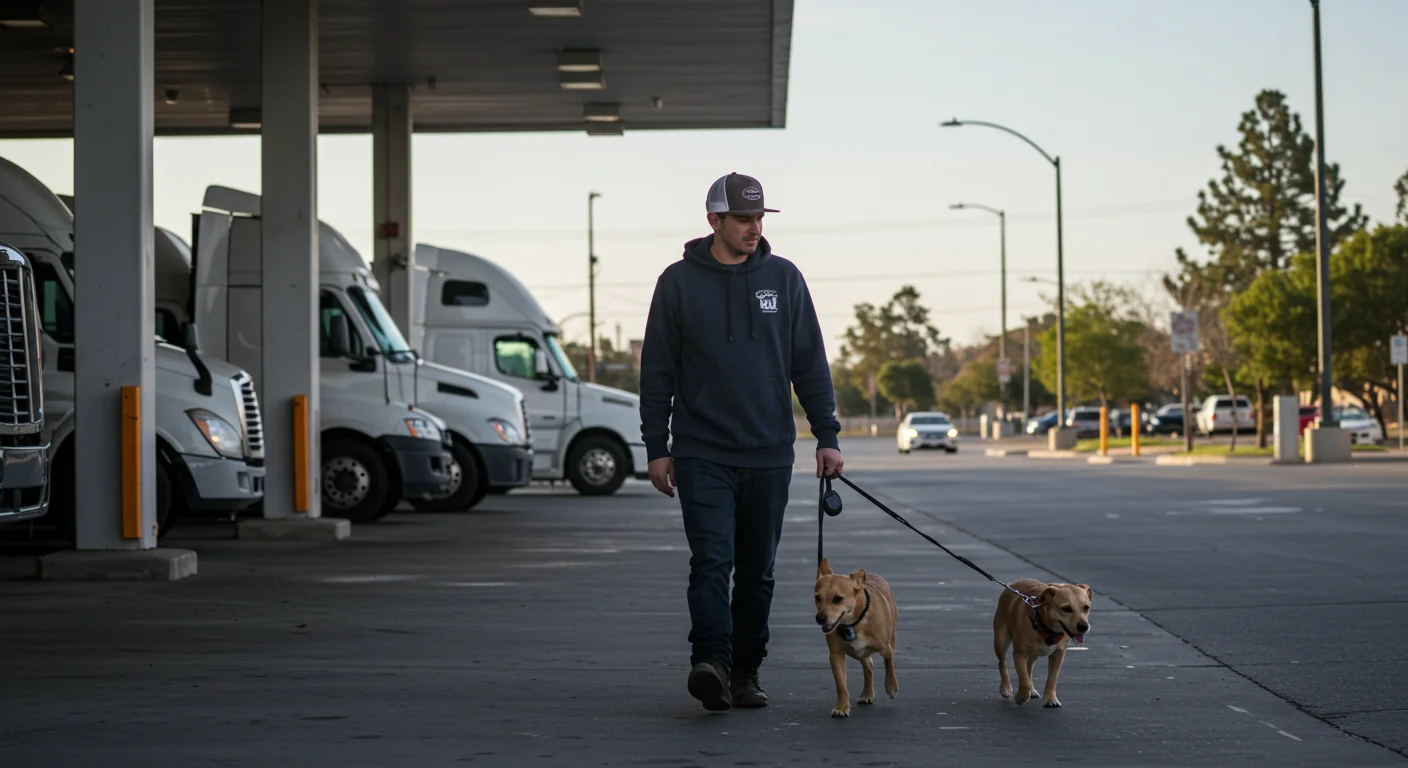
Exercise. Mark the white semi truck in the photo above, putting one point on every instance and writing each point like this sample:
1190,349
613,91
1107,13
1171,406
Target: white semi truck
474,314
209,433
487,430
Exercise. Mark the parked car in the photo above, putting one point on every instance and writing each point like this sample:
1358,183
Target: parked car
1042,424
927,429
1217,415
1363,429
1085,420
1168,420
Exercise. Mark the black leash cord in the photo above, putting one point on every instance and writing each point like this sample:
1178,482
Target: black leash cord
821,515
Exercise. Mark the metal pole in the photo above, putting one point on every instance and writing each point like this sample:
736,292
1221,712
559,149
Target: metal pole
591,286
1400,406
1060,306
1002,344
1322,242
1187,411
1027,372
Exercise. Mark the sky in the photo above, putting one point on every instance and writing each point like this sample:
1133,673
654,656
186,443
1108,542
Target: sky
1133,96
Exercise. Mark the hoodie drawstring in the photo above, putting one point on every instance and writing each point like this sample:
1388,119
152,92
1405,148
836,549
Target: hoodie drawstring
728,305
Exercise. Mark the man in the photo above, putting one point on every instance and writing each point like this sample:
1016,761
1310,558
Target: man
731,331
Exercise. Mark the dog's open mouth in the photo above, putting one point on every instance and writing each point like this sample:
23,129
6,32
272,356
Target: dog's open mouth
1079,638
829,627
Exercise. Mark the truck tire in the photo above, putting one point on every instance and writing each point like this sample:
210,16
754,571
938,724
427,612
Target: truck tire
355,482
63,501
597,465
466,487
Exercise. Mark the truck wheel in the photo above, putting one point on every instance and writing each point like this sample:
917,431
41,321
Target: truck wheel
356,484
466,487
596,466
63,501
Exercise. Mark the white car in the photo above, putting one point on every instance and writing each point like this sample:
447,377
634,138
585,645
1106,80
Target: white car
1216,415
927,429
1363,429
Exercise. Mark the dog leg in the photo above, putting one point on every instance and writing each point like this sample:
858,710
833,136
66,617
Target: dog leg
1001,644
843,697
1053,670
892,683
867,693
1026,689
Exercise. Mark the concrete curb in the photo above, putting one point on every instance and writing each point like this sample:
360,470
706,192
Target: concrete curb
1098,459
1189,461
160,564
1054,455
1000,452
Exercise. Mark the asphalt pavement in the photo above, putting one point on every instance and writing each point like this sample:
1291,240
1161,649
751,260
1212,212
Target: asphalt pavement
1243,615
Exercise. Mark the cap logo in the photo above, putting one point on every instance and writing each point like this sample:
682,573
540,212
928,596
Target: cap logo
752,193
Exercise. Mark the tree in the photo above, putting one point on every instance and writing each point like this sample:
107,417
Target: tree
1369,283
898,330
1400,187
907,384
853,400
1104,353
1260,214
975,384
1273,325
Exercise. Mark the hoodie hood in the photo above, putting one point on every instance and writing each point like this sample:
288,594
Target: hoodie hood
698,252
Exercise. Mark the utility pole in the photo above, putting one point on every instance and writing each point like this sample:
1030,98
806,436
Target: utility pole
1322,242
1026,372
591,286
1002,340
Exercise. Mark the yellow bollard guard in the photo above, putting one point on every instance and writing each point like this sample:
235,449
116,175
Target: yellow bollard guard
1134,429
1104,430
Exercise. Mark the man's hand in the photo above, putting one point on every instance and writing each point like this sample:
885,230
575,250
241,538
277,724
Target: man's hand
662,475
828,462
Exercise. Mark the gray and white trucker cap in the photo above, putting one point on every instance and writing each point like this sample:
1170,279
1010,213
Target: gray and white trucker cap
736,193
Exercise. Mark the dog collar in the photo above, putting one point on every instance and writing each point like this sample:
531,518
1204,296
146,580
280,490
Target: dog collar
1050,638
848,631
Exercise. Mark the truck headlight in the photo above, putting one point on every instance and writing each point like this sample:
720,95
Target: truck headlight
422,429
911,433
506,431
221,435
953,432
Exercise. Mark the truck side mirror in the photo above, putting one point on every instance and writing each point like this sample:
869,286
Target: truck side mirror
190,338
540,364
340,336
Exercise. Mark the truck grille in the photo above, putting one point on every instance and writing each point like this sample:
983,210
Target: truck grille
527,428
253,419
19,405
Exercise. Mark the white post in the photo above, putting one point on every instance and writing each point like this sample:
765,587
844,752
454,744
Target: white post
1286,429
114,312
1400,406
289,235
394,257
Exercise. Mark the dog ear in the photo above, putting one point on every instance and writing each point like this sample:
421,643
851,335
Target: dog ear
1088,594
1047,594
859,577
824,567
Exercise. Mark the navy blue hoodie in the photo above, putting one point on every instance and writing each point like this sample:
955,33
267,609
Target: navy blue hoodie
723,348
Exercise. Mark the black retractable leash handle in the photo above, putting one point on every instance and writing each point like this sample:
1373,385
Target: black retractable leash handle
830,503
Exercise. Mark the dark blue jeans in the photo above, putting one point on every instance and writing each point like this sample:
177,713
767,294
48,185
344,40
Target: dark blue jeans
733,521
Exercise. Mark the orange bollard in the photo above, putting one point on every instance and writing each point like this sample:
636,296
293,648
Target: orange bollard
1134,427
1104,430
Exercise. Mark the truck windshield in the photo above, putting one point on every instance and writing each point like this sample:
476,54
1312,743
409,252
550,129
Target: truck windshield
383,328
560,355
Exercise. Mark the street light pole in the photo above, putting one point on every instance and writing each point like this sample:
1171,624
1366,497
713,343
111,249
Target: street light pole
1322,241
1002,340
1060,261
591,286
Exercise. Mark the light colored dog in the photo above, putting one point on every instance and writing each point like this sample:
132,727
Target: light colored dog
857,613
1062,615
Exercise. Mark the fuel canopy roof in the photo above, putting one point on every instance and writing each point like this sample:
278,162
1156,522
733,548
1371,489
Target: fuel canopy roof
473,65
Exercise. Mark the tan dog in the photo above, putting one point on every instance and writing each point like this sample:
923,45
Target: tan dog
858,615
1063,614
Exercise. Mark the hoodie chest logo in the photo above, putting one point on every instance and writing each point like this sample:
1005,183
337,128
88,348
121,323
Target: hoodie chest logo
767,301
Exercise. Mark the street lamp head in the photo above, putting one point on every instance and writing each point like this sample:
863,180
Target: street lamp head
954,123
957,206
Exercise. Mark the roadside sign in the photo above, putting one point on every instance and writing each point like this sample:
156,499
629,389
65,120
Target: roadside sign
1004,371
1183,331
1398,349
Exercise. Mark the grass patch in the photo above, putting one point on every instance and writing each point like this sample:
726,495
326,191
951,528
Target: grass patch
1221,450
1093,446
1369,448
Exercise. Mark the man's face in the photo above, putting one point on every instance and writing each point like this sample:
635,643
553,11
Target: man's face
737,233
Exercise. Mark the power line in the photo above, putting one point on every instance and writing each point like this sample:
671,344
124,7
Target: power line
865,278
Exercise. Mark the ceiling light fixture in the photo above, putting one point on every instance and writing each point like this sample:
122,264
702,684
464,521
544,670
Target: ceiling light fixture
601,113
561,9
22,15
581,81
245,117
579,61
